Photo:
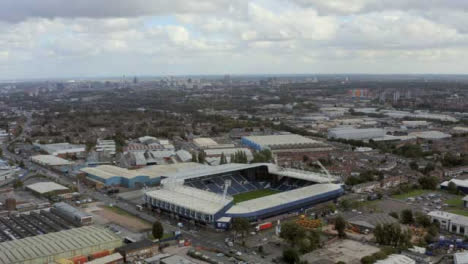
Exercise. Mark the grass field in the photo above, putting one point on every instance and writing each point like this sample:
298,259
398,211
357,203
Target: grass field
459,212
253,195
455,202
412,193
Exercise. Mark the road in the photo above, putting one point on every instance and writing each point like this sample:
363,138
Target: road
203,238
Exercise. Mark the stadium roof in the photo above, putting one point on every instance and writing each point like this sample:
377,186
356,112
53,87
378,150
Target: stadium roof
30,248
210,170
301,174
203,171
50,160
46,187
109,171
281,198
274,140
192,198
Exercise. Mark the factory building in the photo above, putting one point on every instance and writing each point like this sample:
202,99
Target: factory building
278,142
47,188
106,146
72,214
52,247
62,149
108,175
356,133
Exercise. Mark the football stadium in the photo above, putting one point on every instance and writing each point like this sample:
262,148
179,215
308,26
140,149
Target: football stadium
216,194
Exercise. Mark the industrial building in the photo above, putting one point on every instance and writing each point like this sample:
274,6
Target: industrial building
453,223
108,175
204,142
44,188
356,133
72,214
138,250
61,149
105,146
276,142
462,185
205,194
50,160
396,259
64,244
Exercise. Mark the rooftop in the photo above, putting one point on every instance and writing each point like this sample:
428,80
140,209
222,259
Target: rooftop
51,160
282,198
204,142
396,259
176,259
289,139
188,197
46,187
109,171
22,250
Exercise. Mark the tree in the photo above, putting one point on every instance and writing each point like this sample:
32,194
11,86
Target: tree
392,235
407,216
340,226
291,256
428,182
292,232
17,184
262,156
194,157
201,157
413,165
240,226
394,215
222,160
158,230
452,188
423,220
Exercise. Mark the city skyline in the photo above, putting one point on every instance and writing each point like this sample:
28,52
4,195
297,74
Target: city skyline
52,39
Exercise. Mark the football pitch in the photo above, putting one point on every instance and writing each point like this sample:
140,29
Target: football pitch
253,195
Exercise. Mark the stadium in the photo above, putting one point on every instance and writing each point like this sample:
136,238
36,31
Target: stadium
216,194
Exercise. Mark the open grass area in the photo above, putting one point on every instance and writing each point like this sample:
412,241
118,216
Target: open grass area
253,195
455,202
412,193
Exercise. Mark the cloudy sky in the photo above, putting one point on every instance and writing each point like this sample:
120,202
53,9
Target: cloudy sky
73,38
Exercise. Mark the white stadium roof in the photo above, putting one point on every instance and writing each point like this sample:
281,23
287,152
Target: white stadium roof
45,187
50,160
192,198
281,198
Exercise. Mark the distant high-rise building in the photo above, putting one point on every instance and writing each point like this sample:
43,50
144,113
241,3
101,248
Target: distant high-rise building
135,80
396,96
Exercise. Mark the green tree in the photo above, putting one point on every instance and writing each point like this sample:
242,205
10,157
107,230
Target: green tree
17,184
340,226
240,226
423,220
222,160
428,182
158,230
452,188
292,232
392,235
394,215
262,156
407,216
194,157
291,256
201,157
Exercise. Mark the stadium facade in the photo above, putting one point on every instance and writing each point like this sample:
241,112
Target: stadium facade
205,195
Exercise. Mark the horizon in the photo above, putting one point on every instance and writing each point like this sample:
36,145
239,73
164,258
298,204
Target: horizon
58,39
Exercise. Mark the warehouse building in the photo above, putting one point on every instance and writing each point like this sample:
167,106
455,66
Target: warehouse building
72,214
61,149
106,146
65,244
204,142
138,250
462,185
108,175
50,160
356,133
277,142
47,188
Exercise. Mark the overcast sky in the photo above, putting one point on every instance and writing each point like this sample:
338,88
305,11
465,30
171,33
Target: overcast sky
73,38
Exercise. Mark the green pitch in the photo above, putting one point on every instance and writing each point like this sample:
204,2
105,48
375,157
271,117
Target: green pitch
253,195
